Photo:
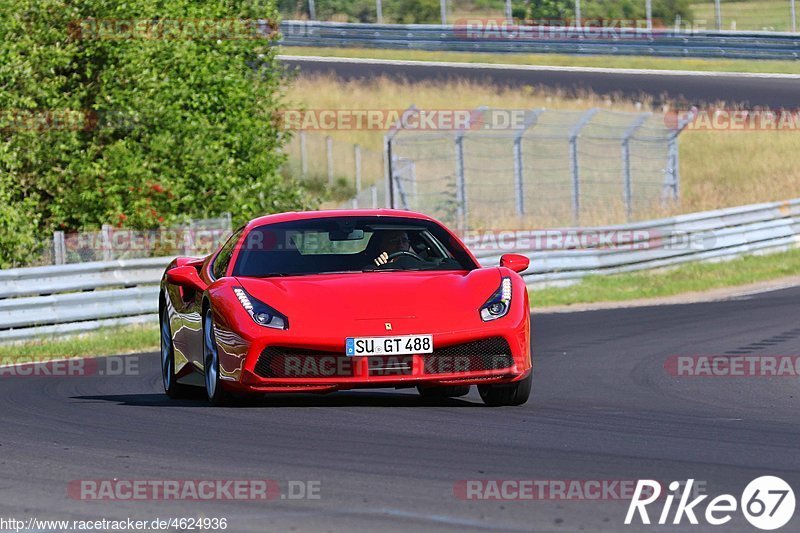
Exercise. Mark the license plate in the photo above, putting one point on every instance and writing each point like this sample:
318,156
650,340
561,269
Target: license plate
403,345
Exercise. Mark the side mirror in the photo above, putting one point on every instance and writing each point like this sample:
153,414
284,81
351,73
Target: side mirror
515,262
187,277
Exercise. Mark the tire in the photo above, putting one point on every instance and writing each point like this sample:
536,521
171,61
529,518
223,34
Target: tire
217,395
454,391
172,388
513,394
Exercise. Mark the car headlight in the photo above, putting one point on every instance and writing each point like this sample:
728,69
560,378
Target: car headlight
261,313
499,303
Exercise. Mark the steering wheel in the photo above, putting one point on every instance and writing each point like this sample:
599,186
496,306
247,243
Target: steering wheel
404,252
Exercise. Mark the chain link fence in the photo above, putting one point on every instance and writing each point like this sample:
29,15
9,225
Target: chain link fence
197,238
343,169
735,15
507,168
554,168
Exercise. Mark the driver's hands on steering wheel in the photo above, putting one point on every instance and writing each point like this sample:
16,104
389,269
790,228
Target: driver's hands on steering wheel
386,257
382,259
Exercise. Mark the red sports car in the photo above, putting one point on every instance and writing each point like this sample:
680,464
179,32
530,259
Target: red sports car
332,300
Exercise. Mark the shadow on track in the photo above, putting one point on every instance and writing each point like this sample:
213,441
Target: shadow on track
337,399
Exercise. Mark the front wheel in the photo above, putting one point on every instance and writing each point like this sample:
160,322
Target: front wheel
511,394
217,395
172,388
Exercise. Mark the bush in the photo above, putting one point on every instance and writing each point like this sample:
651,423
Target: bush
168,129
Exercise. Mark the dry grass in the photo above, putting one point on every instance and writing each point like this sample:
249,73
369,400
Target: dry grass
718,169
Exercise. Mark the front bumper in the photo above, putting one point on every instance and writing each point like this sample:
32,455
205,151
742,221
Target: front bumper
497,355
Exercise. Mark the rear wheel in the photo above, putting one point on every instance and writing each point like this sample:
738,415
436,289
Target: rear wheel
454,391
512,394
172,388
217,395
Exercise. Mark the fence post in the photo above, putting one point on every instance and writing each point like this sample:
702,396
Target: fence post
794,16
388,171
105,238
59,248
461,190
303,155
374,193
648,9
443,9
626,163
379,11
573,161
519,177
388,156
357,158
672,174
329,151
312,10
718,13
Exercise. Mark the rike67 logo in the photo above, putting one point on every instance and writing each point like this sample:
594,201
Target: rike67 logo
767,503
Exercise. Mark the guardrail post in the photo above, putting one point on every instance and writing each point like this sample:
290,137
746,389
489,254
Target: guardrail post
574,166
312,10
718,13
59,248
379,11
626,163
329,152
794,16
519,177
374,193
303,155
443,9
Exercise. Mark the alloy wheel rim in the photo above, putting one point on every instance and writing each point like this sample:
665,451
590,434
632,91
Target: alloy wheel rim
166,359
210,356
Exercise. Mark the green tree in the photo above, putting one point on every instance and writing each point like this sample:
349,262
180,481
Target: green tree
174,123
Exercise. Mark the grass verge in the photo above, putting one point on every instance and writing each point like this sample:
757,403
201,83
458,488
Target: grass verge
110,341
559,60
694,277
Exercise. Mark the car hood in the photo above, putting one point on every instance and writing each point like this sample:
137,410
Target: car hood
364,303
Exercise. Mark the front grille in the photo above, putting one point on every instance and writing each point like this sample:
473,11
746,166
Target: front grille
281,362
486,354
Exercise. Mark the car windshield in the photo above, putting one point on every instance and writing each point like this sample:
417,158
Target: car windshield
349,244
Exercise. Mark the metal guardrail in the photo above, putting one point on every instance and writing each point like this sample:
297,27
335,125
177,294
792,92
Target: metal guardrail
710,235
52,300
664,43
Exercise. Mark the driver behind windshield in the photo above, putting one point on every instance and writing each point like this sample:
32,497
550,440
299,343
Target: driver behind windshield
395,245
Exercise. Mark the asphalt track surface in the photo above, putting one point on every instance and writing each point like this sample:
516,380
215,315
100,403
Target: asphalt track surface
738,90
603,408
